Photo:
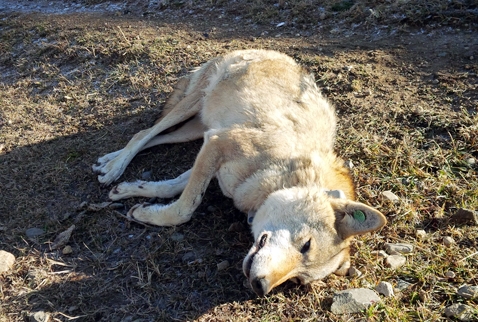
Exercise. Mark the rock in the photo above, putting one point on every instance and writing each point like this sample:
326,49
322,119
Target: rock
6,261
385,288
450,274
471,161
398,248
177,237
421,234
146,175
468,291
380,253
116,205
34,232
395,261
40,316
211,208
460,312
189,256
98,206
465,216
390,196
402,285
448,241
62,238
222,265
354,272
349,164
67,250
353,300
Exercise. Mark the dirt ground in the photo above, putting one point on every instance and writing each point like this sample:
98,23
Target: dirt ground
77,84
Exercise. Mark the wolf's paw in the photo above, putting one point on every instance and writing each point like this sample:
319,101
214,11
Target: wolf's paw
109,167
123,190
158,215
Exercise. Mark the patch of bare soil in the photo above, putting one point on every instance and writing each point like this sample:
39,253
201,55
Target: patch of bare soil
77,85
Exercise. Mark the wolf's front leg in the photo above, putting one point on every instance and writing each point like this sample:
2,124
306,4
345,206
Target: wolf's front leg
180,211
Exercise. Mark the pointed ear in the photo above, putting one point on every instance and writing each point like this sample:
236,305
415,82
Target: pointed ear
355,218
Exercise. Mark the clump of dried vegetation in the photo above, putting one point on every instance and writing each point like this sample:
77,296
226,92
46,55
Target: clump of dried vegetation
74,87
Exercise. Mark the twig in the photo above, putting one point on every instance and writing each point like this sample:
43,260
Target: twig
471,255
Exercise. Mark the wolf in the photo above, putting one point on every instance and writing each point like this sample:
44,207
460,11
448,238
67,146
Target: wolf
269,140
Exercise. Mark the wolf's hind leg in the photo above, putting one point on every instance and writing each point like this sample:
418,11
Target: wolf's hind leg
160,189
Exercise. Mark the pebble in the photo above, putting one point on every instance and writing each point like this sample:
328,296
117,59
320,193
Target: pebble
177,236
465,216
450,274
349,164
34,232
385,288
395,261
390,196
67,250
222,265
380,253
146,175
471,161
6,261
468,291
353,300
189,256
421,234
354,272
448,241
461,312
398,248
40,316
402,285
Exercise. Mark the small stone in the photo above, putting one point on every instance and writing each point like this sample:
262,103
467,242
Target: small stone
146,175
421,234
353,300
116,205
395,261
177,237
211,209
349,164
442,54
236,226
67,250
6,261
448,241
465,216
385,288
34,232
354,272
450,274
390,196
222,265
40,316
471,161
189,256
468,291
461,312
402,285
398,248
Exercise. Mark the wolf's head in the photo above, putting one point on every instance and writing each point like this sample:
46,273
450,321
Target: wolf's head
302,233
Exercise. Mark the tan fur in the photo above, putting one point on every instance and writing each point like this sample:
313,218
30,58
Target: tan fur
268,139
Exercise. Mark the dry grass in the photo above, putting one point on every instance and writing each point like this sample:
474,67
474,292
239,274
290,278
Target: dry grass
76,87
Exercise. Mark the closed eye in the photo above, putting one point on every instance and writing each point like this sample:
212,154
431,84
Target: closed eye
305,248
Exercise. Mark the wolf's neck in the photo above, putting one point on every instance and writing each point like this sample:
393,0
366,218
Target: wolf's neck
329,174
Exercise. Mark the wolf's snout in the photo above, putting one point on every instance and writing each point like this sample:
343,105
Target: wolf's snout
260,286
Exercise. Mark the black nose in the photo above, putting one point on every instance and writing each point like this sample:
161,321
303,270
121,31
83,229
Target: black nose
260,285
